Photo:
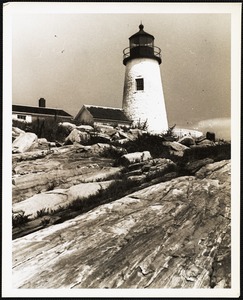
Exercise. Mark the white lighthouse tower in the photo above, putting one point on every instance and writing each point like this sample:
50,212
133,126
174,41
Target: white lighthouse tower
143,97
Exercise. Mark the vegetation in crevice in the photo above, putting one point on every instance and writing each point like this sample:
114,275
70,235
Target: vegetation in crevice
114,191
19,220
148,142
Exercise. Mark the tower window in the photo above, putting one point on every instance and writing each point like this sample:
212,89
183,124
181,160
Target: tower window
139,84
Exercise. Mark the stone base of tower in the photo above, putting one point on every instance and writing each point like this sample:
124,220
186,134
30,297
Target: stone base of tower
145,106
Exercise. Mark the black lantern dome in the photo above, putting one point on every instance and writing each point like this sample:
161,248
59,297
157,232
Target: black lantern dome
141,46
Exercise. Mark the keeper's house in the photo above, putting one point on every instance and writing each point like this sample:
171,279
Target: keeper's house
100,115
32,113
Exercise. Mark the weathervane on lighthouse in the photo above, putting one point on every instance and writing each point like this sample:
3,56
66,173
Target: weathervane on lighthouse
143,97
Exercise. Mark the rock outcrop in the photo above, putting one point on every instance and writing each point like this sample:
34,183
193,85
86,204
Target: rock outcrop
23,142
58,168
58,198
174,234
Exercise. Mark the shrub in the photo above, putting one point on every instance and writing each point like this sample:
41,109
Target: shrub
21,124
140,125
44,128
148,142
19,220
49,129
43,212
169,134
45,222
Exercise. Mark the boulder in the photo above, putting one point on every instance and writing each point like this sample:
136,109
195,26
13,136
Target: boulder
187,140
200,139
104,128
123,141
42,144
101,137
87,128
123,135
102,148
160,167
146,167
99,148
139,179
175,146
135,157
116,136
67,125
77,136
127,136
24,142
210,136
109,130
52,144
42,141
16,132
206,142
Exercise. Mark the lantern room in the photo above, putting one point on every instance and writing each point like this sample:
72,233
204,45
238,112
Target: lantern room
141,46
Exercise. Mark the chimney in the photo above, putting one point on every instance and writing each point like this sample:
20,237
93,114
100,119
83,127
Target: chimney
42,102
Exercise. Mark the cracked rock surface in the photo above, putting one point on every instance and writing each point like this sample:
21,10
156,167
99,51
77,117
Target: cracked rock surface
174,234
62,168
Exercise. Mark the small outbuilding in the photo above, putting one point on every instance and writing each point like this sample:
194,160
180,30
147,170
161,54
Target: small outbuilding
100,115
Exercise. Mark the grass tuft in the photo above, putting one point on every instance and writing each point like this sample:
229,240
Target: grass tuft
115,191
19,220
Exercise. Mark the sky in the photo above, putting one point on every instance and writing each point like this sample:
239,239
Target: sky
75,58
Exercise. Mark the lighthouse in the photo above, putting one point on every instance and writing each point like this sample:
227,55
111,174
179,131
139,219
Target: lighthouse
143,97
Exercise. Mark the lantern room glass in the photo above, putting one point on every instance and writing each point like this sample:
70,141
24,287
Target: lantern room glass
141,40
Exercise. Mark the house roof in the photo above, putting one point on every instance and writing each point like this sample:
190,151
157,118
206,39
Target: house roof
107,113
39,110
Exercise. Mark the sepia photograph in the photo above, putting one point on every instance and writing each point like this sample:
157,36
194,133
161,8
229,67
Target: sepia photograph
121,130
